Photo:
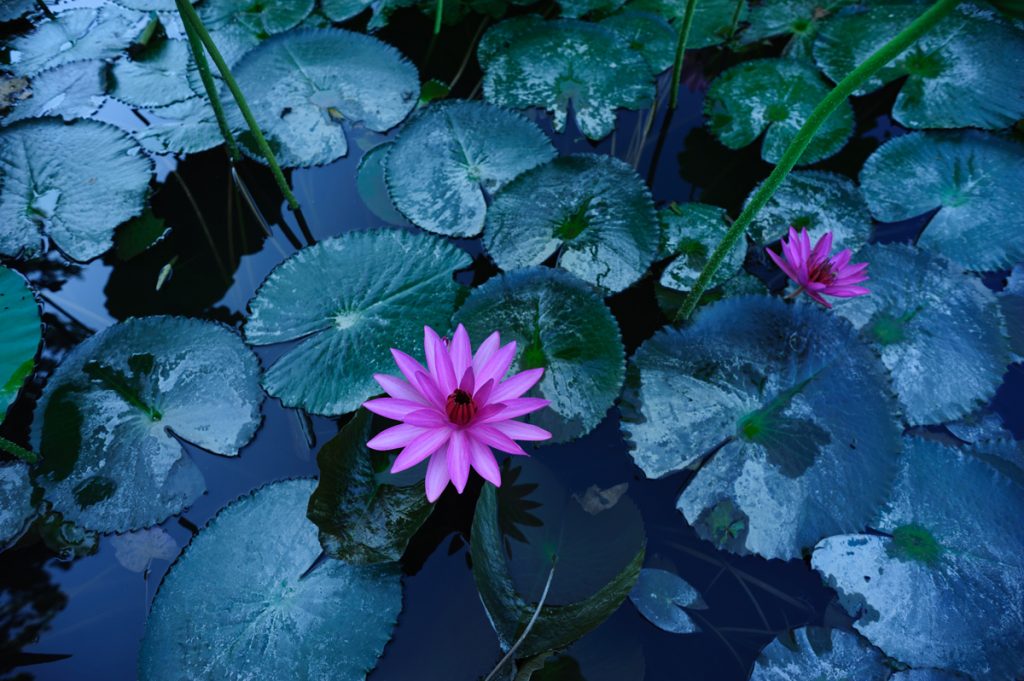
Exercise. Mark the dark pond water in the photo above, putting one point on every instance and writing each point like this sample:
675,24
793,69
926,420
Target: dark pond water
83,619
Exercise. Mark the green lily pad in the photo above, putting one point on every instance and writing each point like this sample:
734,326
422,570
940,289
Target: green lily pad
788,412
21,331
942,589
44,186
530,62
713,20
690,233
774,97
800,20
72,90
76,34
965,72
574,9
817,653
819,202
238,603
972,179
363,517
560,324
250,21
347,300
343,10
939,331
16,508
303,84
157,76
15,9
648,34
594,213
109,422
660,596
185,127
450,159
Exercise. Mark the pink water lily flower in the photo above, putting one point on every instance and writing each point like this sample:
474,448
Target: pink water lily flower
816,272
456,409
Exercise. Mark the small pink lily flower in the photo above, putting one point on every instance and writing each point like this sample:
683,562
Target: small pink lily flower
818,273
457,409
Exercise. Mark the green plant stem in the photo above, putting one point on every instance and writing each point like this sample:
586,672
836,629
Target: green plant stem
189,16
677,68
17,450
735,18
46,10
529,626
211,91
437,16
847,86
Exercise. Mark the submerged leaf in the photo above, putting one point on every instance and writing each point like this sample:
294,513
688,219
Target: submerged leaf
154,77
73,90
713,20
239,603
816,653
690,233
20,334
185,127
660,596
136,550
16,508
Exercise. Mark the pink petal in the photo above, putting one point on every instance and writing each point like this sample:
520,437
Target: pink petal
406,364
460,352
822,248
483,462
458,460
426,385
497,366
516,385
392,408
394,437
439,361
437,474
468,382
427,418
517,407
398,388
490,412
849,292
483,394
485,352
493,437
420,448
783,265
517,430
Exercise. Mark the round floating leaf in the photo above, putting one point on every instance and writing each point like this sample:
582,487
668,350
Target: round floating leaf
185,127
73,90
787,410
595,212
575,9
774,97
302,85
136,550
690,233
16,508
660,596
149,5
964,72
77,34
250,21
531,62
15,9
347,300
448,160
238,604
648,34
713,20
20,334
797,19
972,179
939,331
154,77
372,187
109,422
75,183
816,653
558,323
943,588
343,10
819,202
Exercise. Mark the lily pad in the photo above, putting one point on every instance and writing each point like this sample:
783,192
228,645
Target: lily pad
560,324
530,62
450,159
347,300
800,20
774,97
1011,300
109,422
594,213
244,23
343,10
303,84
156,76
16,508
15,9
928,675
135,551
939,332
574,9
185,127
690,233
21,332
75,183
963,73
660,596
971,179
73,90
372,187
942,588
819,202
817,653
713,20
648,34
222,614
787,411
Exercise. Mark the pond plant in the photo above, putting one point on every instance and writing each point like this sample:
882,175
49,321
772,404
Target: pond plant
757,419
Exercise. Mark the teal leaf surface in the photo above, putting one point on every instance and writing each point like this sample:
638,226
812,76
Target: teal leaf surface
816,653
21,332
661,597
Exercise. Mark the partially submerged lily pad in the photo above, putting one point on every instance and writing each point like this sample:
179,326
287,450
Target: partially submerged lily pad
942,587
774,97
74,183
575,9
156,76
450,159
713,20
800,20
135,551
221,613
531,62
108,424
346,301
593,212
237,26
963,73
185,127
302,85
20,334
817,653
788,412
648,34
971,179
72,90
15,9
939,331
661,597
16,508
690,234
559,324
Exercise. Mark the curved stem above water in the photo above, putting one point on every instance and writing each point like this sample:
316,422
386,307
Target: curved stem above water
677,68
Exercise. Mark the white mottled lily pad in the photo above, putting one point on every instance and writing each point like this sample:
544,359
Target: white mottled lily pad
72,90
800,20
648,34
16,508
450,159
660,596
690,233
108,425
154,77
943,588
939,331
185,127
575,9
816,653
346,301
593,212
20,334
713,20
239,25
238,605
